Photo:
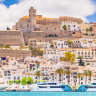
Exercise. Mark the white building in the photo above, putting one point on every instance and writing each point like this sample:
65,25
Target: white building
71,26
58,44
87,43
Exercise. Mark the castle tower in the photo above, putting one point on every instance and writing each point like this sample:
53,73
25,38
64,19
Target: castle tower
32,17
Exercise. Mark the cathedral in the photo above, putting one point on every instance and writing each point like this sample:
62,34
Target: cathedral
48,26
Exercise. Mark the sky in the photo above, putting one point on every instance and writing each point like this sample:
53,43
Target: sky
12,10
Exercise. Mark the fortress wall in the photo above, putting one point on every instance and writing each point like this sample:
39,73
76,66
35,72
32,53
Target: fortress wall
33,35
14,53
11,37
50,29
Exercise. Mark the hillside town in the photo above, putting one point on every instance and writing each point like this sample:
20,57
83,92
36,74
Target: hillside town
47,49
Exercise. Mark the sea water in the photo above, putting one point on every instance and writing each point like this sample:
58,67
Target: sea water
47,93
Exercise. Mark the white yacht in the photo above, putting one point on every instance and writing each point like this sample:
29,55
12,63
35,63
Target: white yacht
3,86
50,87
87,88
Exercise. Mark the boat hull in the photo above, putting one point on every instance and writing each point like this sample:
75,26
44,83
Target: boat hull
47,90
51,88
87,88
2,88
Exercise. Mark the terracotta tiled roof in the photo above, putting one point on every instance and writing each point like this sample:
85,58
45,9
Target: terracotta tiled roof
37,18
25,17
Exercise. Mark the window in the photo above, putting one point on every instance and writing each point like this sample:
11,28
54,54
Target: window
33,11
20,25
18,78
14,78
57,86
46,28
33,15
27,25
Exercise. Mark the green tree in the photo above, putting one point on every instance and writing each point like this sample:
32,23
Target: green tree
6,46
81,63
79,57
36,52
88,64
90,29
18,81
86,75
1,46
79,76
60,72
65,27
30,80
38,74
24,81
7,28
68,73
70,43
11,82
90,74
21,47
70,58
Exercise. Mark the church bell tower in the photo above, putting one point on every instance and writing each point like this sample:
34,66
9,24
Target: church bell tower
32,17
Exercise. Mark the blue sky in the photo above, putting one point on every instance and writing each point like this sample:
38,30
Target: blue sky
9,15
91,18
10,2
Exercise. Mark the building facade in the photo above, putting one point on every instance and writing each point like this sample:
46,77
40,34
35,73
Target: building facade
50,26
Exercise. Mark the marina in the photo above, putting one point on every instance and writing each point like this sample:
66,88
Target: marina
47,87
51,87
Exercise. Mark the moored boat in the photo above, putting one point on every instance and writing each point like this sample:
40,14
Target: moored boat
87,88
50,87
3,86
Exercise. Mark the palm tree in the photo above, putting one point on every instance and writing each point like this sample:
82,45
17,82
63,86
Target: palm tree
38,74
90,74
68,73
79,76
86,74
60,72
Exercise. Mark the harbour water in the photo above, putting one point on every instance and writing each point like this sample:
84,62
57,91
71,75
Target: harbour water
47,93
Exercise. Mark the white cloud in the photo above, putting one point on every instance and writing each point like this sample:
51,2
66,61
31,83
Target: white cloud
52,8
